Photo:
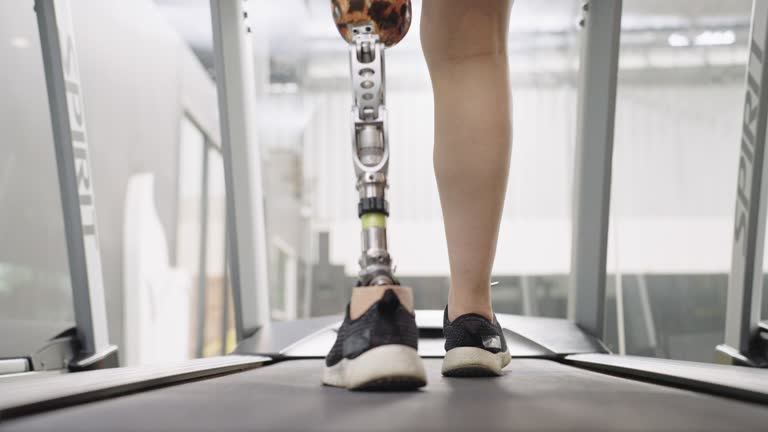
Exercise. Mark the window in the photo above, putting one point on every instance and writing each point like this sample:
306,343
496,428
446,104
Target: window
219,317
678,126
201,240
309,181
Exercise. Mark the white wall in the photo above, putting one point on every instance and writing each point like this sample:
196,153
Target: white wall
138,78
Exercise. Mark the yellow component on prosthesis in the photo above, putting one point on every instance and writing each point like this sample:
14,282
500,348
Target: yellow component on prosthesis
371,220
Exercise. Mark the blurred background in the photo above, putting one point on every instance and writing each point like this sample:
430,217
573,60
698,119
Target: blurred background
151,108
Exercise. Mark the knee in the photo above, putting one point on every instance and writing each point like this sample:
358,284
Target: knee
456,31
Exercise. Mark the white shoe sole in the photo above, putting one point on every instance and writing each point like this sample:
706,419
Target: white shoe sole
388,367
471,362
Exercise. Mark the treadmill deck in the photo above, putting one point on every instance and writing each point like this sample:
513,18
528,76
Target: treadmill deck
534,394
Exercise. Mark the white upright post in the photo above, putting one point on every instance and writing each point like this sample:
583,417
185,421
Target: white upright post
745,285
593,158
233,57
62,76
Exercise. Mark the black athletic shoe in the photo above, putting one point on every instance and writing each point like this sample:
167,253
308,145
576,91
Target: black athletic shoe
378,350
474,346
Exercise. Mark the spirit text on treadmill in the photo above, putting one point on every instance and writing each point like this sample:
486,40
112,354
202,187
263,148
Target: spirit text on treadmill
751,149
79,142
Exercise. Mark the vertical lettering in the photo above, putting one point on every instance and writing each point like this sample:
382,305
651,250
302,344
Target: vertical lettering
738,234
748,148
756,51
73,89
83,176
77,110
78,137
746,144
742,182
69,57
750,113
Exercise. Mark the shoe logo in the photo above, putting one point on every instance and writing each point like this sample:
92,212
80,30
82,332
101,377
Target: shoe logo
492,342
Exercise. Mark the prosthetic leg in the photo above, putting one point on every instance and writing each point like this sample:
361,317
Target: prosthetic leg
369,26
376,345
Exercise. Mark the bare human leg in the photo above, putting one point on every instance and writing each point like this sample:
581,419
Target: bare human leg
465,45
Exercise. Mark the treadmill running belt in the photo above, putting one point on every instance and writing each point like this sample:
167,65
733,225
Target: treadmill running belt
532,395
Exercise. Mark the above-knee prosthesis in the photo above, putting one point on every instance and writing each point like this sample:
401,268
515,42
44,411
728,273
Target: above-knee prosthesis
369,26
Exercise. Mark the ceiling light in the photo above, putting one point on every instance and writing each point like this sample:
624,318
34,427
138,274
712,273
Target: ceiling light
727,37
678,40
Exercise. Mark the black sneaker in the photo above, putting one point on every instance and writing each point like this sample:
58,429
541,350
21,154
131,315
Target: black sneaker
378,350
474,346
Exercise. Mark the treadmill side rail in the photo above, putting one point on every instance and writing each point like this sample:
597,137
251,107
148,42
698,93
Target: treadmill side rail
22,397
10,366
721,380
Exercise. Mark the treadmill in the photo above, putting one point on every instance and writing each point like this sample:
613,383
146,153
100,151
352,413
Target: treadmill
562,377
559,379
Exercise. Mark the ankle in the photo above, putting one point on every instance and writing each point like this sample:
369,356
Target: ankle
364,297
457,309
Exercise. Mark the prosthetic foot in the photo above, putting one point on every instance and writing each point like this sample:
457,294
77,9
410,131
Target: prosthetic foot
376,346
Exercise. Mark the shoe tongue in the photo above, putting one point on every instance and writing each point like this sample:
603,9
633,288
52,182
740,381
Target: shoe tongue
389,301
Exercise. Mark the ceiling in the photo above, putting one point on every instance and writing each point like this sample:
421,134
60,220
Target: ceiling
293,33
308,19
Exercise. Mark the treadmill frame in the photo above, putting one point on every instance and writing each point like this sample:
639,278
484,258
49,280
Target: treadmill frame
233,58
62,76
245,212
598,70
743,343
